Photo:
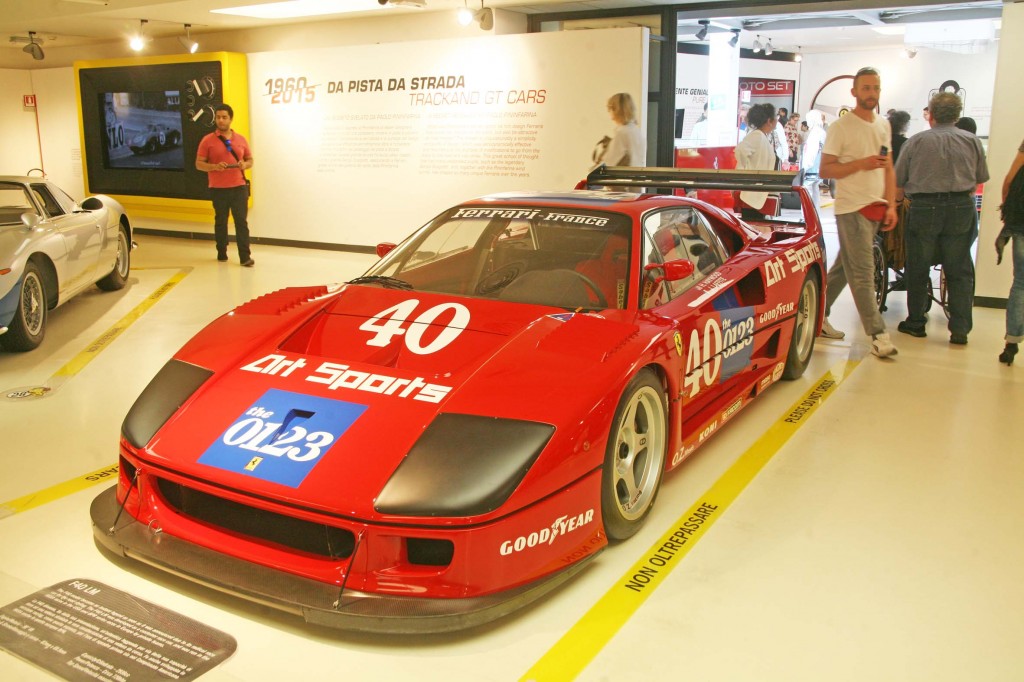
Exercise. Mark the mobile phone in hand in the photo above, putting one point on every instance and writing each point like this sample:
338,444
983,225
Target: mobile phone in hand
884,151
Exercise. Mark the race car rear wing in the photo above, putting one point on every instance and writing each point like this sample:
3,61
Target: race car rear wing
691,179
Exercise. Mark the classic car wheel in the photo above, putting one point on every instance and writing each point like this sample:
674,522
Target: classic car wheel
805,326
29,324
119,275
635,457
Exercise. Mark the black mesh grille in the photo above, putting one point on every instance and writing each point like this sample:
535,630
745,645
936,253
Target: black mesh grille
304,536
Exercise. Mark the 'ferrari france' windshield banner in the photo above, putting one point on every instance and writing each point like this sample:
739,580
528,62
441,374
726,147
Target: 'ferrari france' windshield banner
282,436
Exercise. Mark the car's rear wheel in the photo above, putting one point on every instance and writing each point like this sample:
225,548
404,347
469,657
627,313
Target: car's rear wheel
805,326
28,327
635,456
119,275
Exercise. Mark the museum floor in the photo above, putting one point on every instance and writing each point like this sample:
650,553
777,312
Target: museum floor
881,540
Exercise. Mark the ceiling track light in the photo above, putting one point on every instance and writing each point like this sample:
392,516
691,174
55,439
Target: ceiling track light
798,57
187,42
33,48
735,37
702,34
138,41
483,16
768,49
757,46
909,52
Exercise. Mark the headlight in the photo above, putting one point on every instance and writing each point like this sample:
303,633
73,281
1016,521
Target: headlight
168,390
463,465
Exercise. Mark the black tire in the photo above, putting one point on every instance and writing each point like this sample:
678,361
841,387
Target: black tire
28,327
881,272
635,456
117,277
805,329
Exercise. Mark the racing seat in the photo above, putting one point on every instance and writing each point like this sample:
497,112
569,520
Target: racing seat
609,270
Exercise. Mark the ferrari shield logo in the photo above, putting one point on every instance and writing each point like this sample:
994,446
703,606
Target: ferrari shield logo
679,343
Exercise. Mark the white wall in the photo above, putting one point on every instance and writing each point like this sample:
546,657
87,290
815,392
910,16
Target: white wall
368,165
18,138
1006,134
907,83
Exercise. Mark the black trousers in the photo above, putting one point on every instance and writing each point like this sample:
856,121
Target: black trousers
233,200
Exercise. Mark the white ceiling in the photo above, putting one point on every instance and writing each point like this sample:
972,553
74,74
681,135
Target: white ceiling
70,23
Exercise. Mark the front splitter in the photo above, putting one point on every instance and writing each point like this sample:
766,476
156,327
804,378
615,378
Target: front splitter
318,603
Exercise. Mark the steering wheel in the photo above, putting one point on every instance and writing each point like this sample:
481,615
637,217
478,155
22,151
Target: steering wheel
602,301
500,278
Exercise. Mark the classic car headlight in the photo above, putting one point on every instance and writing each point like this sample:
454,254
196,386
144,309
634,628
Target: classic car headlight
463,465
171,387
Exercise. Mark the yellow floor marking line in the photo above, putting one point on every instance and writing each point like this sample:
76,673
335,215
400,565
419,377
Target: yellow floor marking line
101,343
578,647
41,497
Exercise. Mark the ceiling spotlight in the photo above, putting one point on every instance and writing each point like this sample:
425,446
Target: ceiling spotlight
703,32
908,53
138,40
768,49
483,16
186,40
798,57
735,37
33,48
757,47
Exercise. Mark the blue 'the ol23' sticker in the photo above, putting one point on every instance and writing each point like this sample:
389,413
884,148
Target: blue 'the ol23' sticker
282,436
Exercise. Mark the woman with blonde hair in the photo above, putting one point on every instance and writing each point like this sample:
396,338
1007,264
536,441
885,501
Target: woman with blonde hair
627,147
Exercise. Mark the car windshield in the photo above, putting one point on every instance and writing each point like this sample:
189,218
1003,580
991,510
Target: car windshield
568,258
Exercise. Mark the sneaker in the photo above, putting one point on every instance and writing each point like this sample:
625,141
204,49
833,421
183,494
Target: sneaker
248,263
958,339
881,345
906,328
830,332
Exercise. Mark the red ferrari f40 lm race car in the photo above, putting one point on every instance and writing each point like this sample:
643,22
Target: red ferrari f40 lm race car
450,436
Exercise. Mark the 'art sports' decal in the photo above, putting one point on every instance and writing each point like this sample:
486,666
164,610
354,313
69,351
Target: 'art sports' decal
281,436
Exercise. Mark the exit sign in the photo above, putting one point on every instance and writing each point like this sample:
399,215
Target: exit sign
28,101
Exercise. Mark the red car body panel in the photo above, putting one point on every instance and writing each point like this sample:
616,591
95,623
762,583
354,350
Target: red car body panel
389,363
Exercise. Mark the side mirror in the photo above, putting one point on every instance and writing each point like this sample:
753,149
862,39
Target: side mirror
30,219
92,204
674,270
384,248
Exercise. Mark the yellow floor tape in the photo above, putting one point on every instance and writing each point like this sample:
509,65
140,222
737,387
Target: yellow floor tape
107,474
574,651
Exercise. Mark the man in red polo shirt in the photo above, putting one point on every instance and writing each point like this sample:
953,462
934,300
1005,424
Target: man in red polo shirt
224,156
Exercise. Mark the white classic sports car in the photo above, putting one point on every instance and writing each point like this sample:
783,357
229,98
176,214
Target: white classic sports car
51,248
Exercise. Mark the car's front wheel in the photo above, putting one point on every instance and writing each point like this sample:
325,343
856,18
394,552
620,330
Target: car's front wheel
119,275
805,328
635,456
28,327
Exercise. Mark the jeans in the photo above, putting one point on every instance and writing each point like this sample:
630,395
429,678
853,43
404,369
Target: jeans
1015,303
236,201
941,230
856,265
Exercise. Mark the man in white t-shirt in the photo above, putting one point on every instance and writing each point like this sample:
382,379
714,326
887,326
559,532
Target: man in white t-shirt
856,154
